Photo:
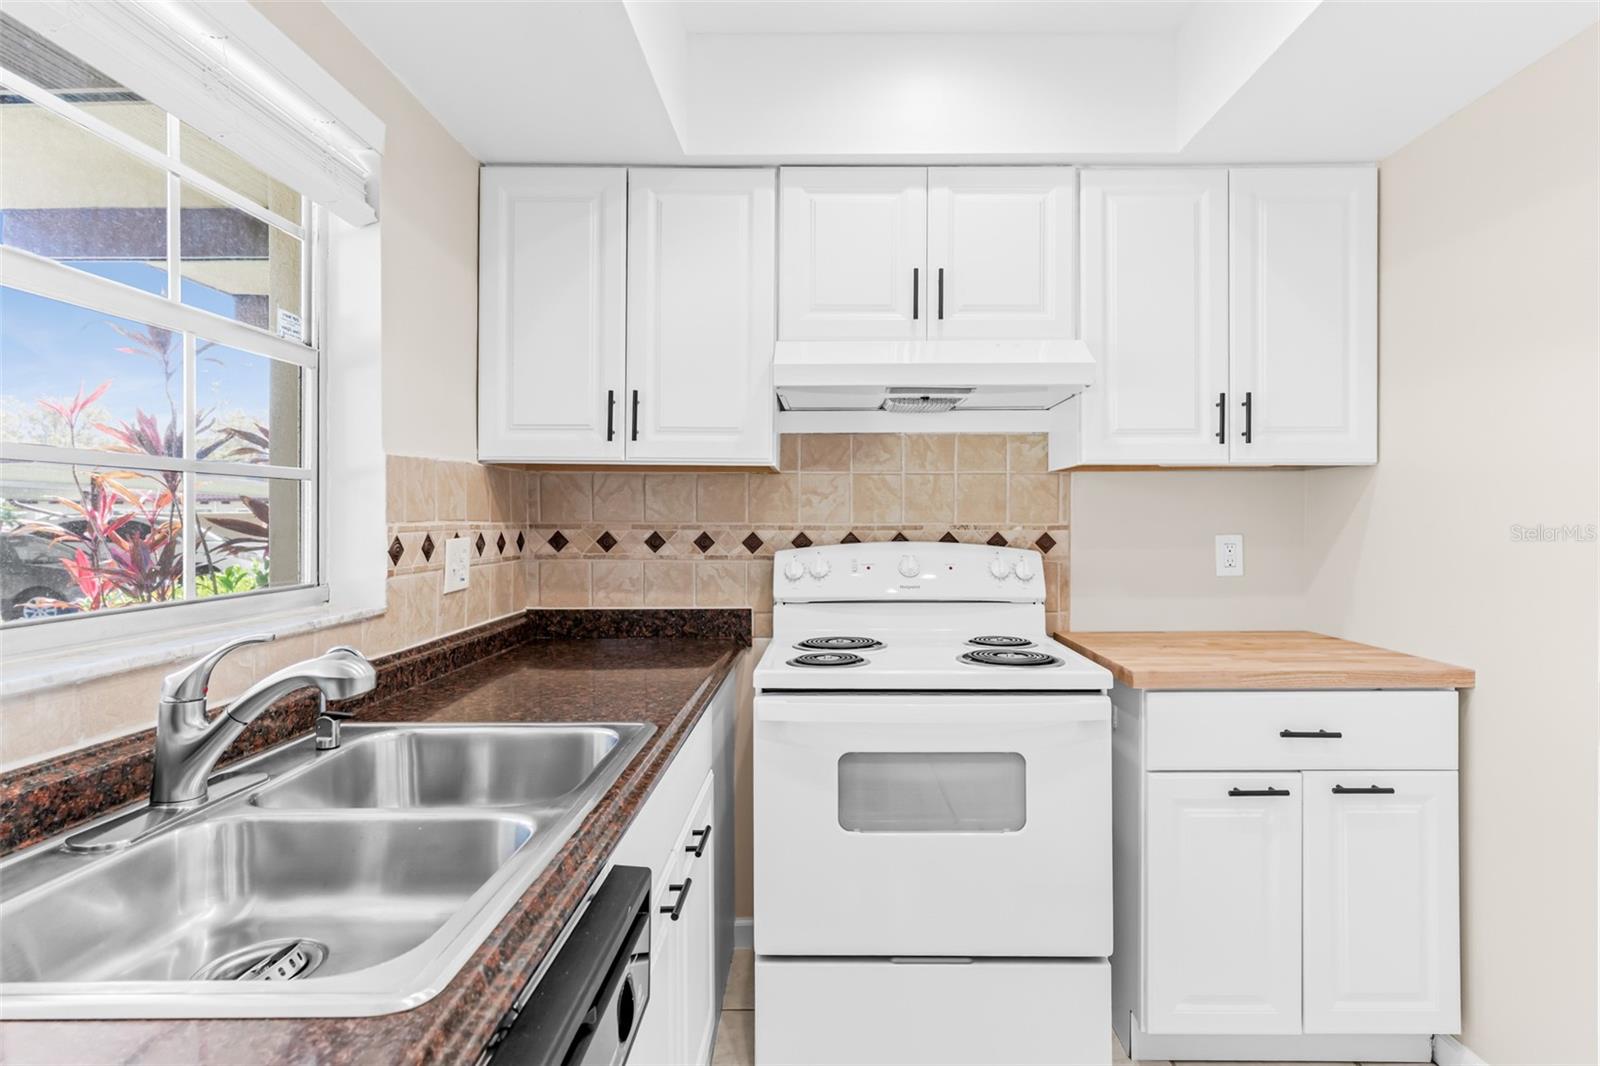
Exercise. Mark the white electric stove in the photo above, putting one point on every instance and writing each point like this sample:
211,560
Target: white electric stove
932,815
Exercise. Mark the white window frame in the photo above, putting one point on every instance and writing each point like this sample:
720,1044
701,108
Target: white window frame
48,278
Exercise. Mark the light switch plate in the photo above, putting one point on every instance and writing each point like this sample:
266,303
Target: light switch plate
457,563
1230,554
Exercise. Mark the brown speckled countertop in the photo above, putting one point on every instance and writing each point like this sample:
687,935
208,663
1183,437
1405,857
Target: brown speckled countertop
666,682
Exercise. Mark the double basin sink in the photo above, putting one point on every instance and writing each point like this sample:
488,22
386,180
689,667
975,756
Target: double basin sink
355,881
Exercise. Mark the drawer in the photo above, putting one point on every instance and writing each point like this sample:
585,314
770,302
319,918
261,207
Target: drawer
1300,730
927,1012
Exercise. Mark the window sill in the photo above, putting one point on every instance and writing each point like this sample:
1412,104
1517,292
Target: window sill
38,671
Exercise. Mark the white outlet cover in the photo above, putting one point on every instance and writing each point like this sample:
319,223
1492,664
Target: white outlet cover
457,563
1230,554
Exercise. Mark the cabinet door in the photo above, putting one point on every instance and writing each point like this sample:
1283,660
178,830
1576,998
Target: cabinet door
1303,266
853,253
1222,903
550,347
699,932
1000,252
701,259
1155,315
1382,933
659,1041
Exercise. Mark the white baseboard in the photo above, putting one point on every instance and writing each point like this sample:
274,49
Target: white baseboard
744,933
1448,1051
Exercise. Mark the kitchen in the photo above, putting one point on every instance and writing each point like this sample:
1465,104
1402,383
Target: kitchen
1207,363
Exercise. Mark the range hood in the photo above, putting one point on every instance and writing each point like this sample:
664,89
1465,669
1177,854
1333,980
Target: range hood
929,377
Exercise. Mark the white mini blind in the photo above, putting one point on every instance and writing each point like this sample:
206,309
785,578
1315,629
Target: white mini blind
225,69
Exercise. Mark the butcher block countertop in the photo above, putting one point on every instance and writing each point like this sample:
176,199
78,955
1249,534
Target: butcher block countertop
1275,659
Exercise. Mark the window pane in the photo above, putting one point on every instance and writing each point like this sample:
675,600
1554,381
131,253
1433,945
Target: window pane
933,791
247,406
238,266
70,195
73,377
41,62
87,538
215,161
249,534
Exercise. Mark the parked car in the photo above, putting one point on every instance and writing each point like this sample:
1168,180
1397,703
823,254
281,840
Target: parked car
31,570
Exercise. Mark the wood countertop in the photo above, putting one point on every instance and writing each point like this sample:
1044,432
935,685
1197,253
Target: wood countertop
1276,659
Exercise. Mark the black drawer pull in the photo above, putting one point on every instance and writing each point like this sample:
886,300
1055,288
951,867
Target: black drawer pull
1222,418
683,893
635,414
916,292
941,293
699,849
1310,734
1370,790
611,414
1249,408
1258,792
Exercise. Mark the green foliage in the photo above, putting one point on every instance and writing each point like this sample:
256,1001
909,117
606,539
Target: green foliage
235,578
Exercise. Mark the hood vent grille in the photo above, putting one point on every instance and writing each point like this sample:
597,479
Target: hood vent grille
923,401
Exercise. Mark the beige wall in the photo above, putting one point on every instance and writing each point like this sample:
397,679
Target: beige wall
429,216
1489,342
1144,549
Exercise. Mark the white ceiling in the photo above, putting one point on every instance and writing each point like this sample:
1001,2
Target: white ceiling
746,81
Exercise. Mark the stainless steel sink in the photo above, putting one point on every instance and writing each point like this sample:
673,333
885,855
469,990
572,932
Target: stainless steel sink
350,882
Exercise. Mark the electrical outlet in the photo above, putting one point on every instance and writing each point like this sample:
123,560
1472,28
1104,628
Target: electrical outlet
458,563
1230,554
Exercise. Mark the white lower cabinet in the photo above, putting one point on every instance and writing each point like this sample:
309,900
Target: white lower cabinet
1284,891
1223,903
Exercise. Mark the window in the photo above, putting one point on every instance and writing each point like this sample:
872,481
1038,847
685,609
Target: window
159,362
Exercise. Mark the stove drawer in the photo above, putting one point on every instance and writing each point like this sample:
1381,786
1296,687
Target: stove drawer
1368,730
933,825
825,1012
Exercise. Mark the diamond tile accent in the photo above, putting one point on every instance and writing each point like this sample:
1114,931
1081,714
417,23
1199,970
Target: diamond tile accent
801,541
948,538
1045,543
558,541
396,549
899,536
996,541
521,541
427,547
850,538
500,544
704,541
606,541
752,543
655,542
479,543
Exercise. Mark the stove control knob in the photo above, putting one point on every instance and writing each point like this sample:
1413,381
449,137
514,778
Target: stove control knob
1024,569
794,570
819,568
998,567
908,566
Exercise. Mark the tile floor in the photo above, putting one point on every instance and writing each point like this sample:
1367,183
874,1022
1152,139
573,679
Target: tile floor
736,1032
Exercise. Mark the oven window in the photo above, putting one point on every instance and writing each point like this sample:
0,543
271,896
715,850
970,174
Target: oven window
932,791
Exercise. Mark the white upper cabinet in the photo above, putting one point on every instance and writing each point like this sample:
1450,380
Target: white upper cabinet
854,251
700,315
1000,252
1382,921
1155,315
551,264
1222,916
1303,267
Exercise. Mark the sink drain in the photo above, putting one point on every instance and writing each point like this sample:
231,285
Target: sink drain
269,960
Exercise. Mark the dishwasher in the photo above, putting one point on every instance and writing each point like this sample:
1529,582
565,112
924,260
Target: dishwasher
585,1007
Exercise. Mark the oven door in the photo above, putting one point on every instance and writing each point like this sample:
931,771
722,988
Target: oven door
924,824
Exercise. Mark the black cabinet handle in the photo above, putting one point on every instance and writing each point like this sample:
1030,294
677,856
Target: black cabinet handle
611,414
941,294
916,292
1370,790
1310,734
1222,418
699,848
1248,405
683,893
635,414
1258,792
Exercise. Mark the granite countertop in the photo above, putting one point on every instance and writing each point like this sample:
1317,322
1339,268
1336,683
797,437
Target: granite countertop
666,682
1265,659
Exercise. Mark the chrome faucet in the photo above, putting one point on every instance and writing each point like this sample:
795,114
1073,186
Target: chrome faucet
188,744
